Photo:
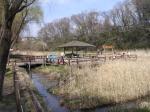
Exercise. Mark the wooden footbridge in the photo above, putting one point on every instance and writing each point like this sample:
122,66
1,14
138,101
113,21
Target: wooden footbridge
27,60
33,61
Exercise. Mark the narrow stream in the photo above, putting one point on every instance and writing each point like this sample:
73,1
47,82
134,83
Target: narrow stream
51,100
53,103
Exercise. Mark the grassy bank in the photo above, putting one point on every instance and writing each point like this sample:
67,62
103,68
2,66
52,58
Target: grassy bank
8,103
27,88
57,73
113,82
51,69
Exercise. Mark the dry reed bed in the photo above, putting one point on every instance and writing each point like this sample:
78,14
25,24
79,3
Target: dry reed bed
113,82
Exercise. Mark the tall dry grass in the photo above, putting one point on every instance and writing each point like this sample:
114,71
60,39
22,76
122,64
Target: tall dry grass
112,82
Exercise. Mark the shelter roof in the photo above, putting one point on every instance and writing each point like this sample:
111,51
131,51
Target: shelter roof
76,44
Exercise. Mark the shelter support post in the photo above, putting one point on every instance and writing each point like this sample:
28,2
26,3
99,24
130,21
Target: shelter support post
76,50
72,50
64,50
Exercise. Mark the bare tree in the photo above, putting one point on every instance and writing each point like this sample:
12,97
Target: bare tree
11,9
79,23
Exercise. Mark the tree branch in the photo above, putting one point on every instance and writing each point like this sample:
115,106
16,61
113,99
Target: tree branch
20,27
26,5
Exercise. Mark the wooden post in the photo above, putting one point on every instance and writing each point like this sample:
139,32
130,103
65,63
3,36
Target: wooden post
72,50
71,72
105,59
64,50
92,60
77,62
16,89
30,68
44,61
69,62
83,54
29,65
72,53
76,50
14,72
58,62
63,60
15,63
105,51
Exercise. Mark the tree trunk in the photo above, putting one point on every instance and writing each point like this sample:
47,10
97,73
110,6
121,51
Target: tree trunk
5,44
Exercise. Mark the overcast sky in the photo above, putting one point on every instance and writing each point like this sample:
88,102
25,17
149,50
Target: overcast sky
56,9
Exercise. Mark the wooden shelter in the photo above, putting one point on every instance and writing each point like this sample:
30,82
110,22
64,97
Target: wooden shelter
75,45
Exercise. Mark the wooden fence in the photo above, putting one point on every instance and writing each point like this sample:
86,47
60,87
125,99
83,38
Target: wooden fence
101,58
36,105
17,91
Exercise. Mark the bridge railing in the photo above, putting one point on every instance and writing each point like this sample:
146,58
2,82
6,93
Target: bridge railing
44,60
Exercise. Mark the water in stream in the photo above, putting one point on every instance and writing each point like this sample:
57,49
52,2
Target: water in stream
53,103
